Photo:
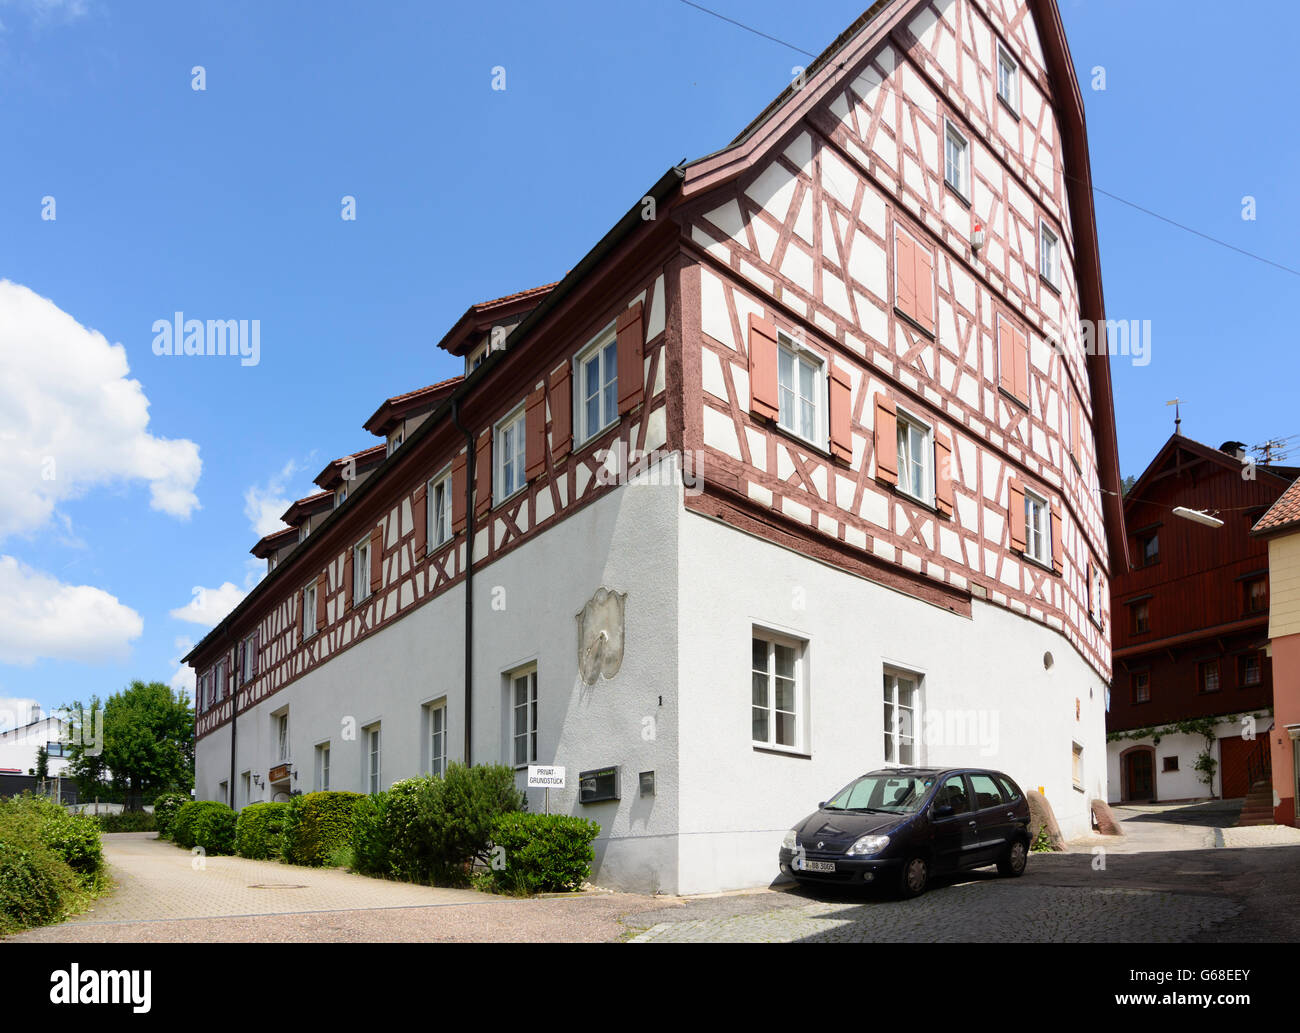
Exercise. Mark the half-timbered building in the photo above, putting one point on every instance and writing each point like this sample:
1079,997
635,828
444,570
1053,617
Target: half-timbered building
805,469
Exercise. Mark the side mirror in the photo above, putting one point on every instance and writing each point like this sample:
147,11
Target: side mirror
942,810
821,805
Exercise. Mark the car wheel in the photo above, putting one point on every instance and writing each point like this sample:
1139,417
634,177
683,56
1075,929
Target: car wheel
914,878
1014,860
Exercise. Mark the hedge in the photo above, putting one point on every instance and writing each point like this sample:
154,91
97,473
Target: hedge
259,830
73,837
206,824
164,811
372,837
127,821
50,862
316,825
542,852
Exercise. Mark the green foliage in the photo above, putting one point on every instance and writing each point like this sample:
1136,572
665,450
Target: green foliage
165,806
1042,841
1207,766
259,830
206,824
127,821
73,837
50,862
316,825
541,852
372,837
42,764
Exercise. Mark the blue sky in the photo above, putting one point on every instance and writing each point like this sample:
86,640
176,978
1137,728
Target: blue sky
225,204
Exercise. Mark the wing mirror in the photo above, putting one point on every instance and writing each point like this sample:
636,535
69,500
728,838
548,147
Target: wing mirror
821,805
942,810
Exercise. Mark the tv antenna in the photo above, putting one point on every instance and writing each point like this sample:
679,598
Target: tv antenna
1273,450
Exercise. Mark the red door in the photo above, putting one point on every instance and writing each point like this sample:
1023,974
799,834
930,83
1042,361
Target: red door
1139,771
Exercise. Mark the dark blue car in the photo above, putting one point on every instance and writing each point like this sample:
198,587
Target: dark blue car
902,826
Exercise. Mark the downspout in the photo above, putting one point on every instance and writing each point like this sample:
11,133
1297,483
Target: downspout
234,713
470,464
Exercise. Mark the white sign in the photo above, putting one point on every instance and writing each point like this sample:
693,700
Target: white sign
540,777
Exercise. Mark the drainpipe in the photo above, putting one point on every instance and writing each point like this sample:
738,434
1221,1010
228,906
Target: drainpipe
470,464
234,713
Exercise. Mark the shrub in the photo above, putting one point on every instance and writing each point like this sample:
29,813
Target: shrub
316,825
36,885
259,830
127,821
165,807
73,837
207,824
542,852
371,836
454,817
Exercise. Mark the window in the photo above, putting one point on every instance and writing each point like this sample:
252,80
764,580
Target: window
1141,682
1141,617
340,497
1009,789
309,610
438,500
1149,547
303,529
55,749
956,161
475,358
523,702
1049,254
361,570
395,440
202,695
953,794
1007,78
987,793
219,681
282,736
1257,595
915,458
1208,675
436,723
509,451
1076,766
596,376
323,767
373,766
1038,529
1249,670
902,703
801,391
248,658
776,678
271,561
1169,763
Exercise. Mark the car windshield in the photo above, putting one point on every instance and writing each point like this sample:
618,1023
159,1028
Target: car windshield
883,794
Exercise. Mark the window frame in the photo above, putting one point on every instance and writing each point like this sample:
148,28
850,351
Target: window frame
1038,531
361,571
309,611
282,749
440,480
1076,765
596,349
373,757
530,714
799,352
436,741
1246,585
1134,687
1203,667
771,639
906,419
1142,539
515,419
322,766
246,645
894,737
396,439
1136,606
951,131
1052,278
1005,59
1245,658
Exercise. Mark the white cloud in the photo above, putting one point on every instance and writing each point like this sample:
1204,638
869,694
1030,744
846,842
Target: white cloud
263,503
183,678
209,605
71,419
41,616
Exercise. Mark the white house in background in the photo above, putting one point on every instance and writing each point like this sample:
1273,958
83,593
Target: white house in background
19,745
803,470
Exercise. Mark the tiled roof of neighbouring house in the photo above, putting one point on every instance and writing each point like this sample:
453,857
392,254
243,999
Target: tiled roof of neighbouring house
1283,513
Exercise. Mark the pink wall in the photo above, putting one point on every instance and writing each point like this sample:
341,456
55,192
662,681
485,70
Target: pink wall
1286,707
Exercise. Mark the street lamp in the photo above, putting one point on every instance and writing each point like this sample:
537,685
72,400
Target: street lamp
1197,516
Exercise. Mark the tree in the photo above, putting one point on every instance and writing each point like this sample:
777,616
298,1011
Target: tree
42,764
1127,484
147,743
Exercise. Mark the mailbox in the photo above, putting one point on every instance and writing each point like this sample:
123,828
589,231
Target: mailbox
597,785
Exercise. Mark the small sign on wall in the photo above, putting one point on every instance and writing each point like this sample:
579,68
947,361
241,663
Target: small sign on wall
543,776
597,785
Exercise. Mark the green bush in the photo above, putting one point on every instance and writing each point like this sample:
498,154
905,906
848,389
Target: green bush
542,852
316,825
451,827
371,835
73,837
127,821
164,811
259,830
37,886
207,824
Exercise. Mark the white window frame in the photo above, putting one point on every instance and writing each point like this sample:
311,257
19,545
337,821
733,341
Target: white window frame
1049,254
1012,97
906,422
475,358
282,736
1076,765
527,712
248,652
340,496
951,132
516,425
323,766
361,570
218,680
772,639
304,529
309,609
372,756
435,737
896,735
1038,528
595,350
801,353
440,532
396,438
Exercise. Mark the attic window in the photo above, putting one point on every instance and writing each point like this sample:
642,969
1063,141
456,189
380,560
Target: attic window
475,358
1007,78
394,441
303,529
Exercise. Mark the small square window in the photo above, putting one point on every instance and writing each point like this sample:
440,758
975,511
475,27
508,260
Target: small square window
915,459
1049,255
1168,763
1007,81
956,161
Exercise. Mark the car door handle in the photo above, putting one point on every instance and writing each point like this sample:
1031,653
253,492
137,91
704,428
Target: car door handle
970,823
1011,814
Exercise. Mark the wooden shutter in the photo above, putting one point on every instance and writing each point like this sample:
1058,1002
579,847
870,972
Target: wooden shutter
420,515
1058,563
561,412
763,400
376,559
458,516
943,473
348,578
321,583
1006,357
886,440
904,273
923,283
535,421
1022,364
257,645
841,413
1076,411
483,474
631,374
1016,514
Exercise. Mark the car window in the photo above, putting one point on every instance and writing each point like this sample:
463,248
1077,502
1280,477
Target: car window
953,794
987,793
896,794
1009,789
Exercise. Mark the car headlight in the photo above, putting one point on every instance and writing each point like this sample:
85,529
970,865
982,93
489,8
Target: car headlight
789,843
868,845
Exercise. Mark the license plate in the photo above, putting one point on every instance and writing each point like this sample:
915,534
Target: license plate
815,866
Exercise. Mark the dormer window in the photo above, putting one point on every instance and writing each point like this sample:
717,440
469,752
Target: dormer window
303,529
475,358
394,441
340,497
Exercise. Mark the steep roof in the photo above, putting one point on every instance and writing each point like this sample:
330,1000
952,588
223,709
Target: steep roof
330,477
481,317
1283,515
400,406
274,541
1179,450
308,505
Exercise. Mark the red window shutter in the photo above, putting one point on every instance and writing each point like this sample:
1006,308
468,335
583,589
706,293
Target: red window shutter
348,578
841,406
321,585
376,559
1076,411
1058,563
762,368
483,474
904,273
631,374
535,421
943,473
1022,365
257,646
886,440
1016,515
420,515
924,285
1006,355
458,518
561,412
